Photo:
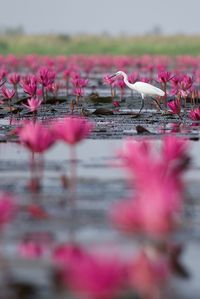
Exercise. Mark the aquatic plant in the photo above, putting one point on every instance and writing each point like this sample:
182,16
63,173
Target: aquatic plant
45,77
32,105
37,139
78,86
89,274
175,106
14,79
110,81
194,114
153,210
164,77
8,95
29,85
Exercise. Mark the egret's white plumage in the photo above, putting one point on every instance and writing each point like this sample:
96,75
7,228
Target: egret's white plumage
148,89
145,89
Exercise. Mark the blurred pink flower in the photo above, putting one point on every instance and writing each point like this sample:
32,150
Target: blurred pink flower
148,275
195,114
66,255
145,79
46,76
79,82
155,219
29,85
185,85
36,137
158,182
133,77
72,129
126,216
174,148
31,249
175,106
14,78
97,277
78,92
107,80
3,73
33,104
164,77
8,94
53,88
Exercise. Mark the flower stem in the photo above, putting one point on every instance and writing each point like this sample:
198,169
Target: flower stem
35,116
16,92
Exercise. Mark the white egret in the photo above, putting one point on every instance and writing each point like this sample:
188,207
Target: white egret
145,89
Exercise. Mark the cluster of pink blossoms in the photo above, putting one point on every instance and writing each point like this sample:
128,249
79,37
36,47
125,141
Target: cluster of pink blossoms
158,192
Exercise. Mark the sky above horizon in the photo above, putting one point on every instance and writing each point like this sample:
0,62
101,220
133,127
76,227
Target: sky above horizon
100,16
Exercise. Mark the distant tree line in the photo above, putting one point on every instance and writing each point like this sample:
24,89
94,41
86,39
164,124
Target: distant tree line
12,31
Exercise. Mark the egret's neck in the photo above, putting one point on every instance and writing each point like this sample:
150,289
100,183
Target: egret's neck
130,85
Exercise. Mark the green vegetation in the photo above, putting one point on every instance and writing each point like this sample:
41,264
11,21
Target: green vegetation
87,44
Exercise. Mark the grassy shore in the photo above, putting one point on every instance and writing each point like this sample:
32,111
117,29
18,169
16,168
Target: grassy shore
88,44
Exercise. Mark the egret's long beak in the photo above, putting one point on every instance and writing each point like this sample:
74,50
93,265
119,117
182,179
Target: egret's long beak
112,76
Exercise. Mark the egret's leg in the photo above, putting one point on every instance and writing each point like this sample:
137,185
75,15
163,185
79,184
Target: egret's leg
142,105
157,103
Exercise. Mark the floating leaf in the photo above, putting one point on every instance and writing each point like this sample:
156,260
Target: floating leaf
142,131
95,98
103,111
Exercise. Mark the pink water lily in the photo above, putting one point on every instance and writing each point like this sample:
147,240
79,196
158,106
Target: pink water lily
36,137
174,149
175,106
79,82
107,80
33,104
7,93
46,76
29,85
72,129
164,76
157,178
195,114
94,276
78,92
14,78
